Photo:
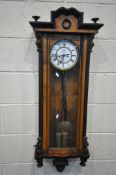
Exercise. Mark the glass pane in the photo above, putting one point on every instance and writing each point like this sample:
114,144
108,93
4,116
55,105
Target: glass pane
64,91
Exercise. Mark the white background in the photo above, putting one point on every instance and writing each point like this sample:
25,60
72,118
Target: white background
19,88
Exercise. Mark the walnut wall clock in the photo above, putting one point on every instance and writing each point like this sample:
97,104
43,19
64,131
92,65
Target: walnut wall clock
64,47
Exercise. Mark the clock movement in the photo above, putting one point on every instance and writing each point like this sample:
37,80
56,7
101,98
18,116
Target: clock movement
64,47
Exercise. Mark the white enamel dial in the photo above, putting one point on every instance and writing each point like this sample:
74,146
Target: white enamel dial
64,54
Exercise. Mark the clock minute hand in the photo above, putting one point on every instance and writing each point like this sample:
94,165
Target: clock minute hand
65,55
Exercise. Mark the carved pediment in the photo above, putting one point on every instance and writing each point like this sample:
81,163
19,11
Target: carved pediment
66,20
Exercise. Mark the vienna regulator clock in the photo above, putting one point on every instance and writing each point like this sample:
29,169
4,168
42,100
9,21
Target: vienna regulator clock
64,47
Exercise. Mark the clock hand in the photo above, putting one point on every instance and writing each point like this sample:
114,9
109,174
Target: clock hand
63,55
62,58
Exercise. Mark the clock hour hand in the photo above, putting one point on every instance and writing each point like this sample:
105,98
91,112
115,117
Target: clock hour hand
60,58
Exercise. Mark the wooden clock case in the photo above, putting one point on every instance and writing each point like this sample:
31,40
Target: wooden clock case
65,24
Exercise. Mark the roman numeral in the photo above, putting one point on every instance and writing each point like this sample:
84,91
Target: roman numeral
64,44
72,60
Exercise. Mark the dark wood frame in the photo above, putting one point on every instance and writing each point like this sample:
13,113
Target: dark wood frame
43,30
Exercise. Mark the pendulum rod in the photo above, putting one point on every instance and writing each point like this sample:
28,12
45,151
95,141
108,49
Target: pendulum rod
63,85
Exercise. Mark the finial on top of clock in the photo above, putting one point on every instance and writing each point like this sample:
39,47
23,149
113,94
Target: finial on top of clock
95,20
36,18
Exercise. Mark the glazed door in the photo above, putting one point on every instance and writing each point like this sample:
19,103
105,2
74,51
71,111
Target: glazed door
64,92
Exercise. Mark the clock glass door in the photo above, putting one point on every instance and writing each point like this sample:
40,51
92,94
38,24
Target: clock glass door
64,93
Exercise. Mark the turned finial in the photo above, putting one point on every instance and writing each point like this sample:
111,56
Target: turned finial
95,20
36,18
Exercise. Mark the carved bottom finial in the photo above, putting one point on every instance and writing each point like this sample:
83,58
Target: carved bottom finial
85,154
60,163
38,153
83,161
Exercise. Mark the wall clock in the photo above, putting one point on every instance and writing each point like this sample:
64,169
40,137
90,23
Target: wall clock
64,47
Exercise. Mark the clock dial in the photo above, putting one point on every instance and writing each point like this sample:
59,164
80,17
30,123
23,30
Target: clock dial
64,54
